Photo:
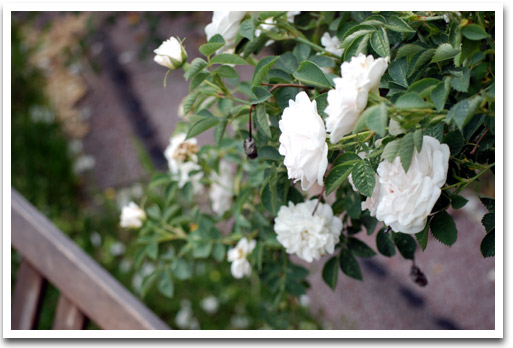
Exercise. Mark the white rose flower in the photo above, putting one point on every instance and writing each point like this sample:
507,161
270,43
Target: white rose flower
402,200
170,54
332,44
303,141
221,191
366,71
132,216
270,22
345,103
237,256
307,236
209,304
182,160
291,15
227,24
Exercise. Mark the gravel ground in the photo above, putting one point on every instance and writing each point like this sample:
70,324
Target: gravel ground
460,293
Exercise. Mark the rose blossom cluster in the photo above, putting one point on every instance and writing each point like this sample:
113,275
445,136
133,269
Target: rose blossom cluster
349,98
403,200
183,161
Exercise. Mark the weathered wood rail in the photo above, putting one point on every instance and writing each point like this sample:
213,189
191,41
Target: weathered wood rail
87,291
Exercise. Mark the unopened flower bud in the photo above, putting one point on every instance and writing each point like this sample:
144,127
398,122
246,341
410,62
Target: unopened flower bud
170,54
418,276
250,148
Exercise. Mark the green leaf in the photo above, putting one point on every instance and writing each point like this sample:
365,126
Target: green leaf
227,72
355,34
462,112
154,212
488,222
458,202
460,80
215,43
202,250
198,79
359,248
227,58
406,149
420,61
197,65
181,269
410,101
262,121
189,100
375,118
391,150
148,283
364,177
385,244
322,61
301,52
247,29
489,203
159,180
260,95
474,32
379,42
262,69
349,265
202,125
455,141
424,87
287,62
165,284
218,251
488,245
443,52
359,45
397,72
405,244
443,228
440,93
330,272
436,131
417,139
422,237
267,152
311,74
408,50
397,24
336,177
219,131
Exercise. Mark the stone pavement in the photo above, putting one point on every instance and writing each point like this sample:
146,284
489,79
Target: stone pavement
128,103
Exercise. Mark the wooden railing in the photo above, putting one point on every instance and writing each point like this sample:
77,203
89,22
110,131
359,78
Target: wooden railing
87,291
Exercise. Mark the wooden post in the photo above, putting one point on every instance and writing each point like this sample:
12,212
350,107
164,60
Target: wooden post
27,294
68,316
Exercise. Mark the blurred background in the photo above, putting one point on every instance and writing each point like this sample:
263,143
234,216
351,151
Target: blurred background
90,121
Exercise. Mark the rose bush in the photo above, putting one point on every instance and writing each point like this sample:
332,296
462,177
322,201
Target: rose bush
391,114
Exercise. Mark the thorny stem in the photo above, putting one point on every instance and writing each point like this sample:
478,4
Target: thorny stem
478,141
319,200
278,85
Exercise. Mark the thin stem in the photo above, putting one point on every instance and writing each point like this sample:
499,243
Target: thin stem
319,200
278,85
253,106
478,141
